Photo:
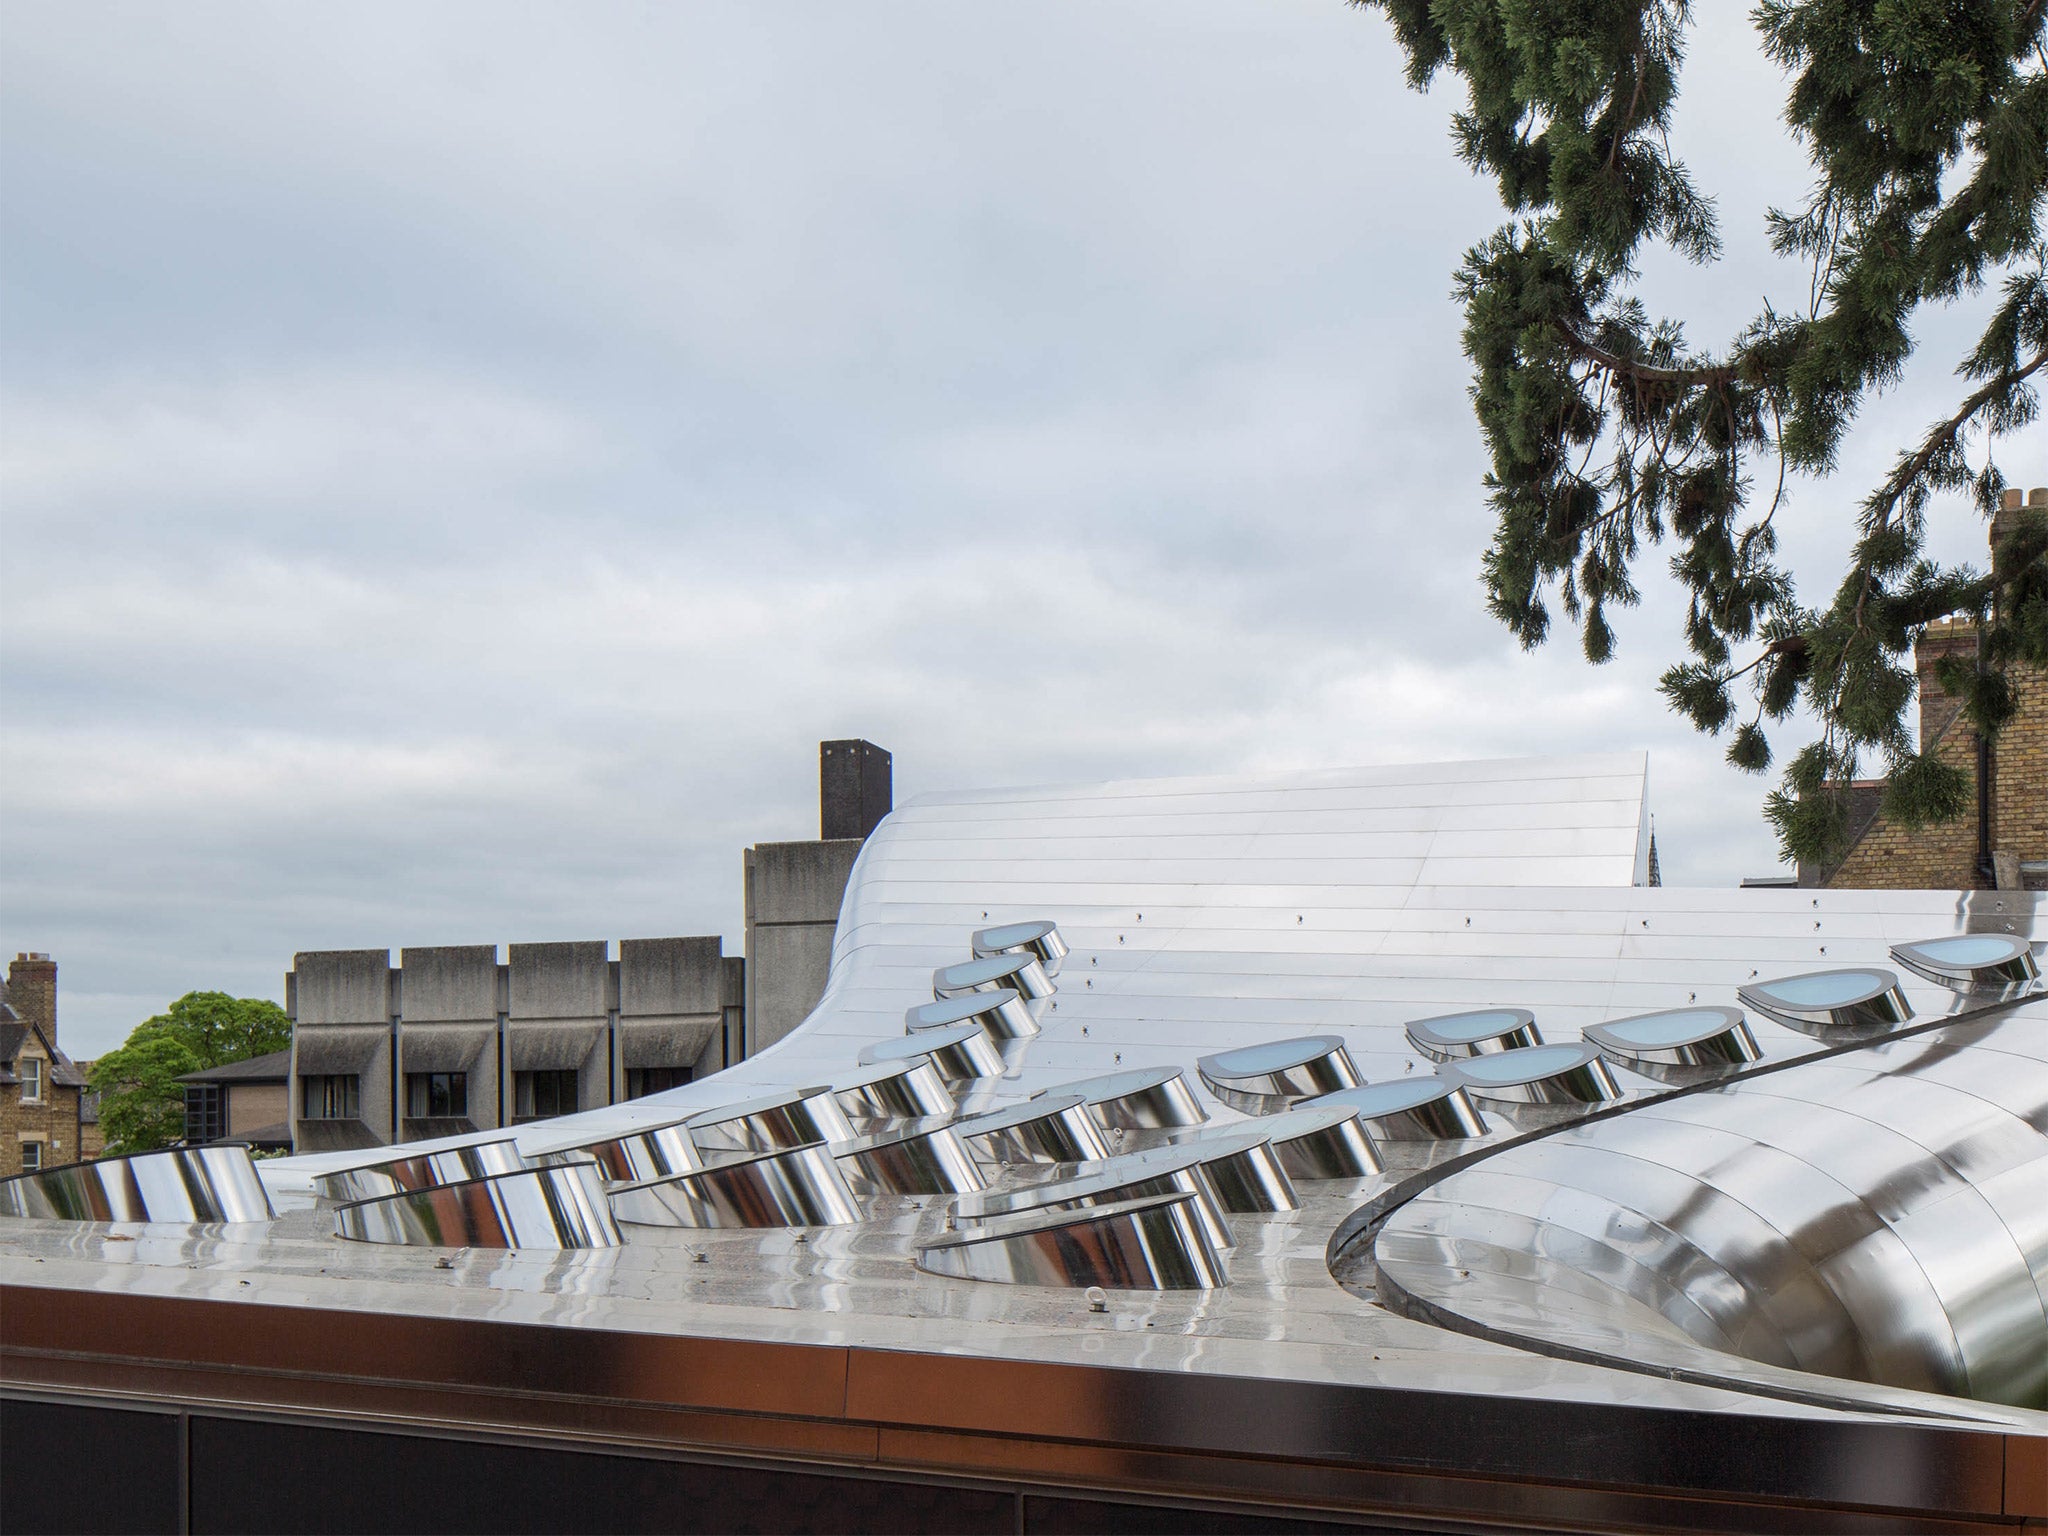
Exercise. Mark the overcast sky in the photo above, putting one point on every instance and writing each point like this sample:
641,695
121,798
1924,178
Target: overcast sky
461,459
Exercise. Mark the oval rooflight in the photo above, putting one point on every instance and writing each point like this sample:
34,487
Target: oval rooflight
1141,1099
1677,1040
788,1187
1149,1244
895,1090
1860,1001
1001,1011
792,1119
1054,1129
420,1170
1021,973
1971,962
559,1206
1041,939
1410,1109
1454,1036
962,1053
1537,1074
1169,1170
913,1160
1242,1165
651,1151
1319,1141
1268,1077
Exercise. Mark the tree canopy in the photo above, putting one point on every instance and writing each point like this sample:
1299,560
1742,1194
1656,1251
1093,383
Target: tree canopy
142,1105
1926,123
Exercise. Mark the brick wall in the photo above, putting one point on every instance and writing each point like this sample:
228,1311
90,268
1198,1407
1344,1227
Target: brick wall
1944,857
53,1120
32,991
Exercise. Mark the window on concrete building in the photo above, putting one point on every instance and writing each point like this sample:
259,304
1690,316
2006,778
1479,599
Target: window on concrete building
436,1095
332,1098
206,1113
641,1081
31,1156
31,1081
539,1095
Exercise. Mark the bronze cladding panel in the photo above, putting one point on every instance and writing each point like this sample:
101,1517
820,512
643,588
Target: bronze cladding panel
1181,1435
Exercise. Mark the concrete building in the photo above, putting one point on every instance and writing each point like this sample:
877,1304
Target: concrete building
2001,840
248,1100
452,1040
42,1091
794,890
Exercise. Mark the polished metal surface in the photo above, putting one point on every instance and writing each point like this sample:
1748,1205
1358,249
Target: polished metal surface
1317,1141
1427,1108
1164,1170
1040,939
1242,1167
1154,1243
895,1090
1274,1075
1203,916
654,1151
962,1054
1054,1129
211,1183
1454,1036
1880,1215
559,1206
1536,1074
788,1187
780,1120
1019,972
1678,1044
420,1170
1972,962
924,1159
1141,1099
1831,1004
1000,1011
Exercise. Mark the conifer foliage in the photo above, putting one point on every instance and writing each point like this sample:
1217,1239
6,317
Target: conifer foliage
1926,122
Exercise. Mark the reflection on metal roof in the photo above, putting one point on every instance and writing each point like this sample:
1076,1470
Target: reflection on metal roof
1831,1214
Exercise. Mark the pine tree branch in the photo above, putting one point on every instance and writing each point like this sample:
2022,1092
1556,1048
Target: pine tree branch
1645,373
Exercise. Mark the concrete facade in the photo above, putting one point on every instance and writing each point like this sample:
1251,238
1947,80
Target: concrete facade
793,892
555,1027
344,1026
2001,839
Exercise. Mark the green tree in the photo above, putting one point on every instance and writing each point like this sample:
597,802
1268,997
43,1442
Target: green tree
1926,123
142,1105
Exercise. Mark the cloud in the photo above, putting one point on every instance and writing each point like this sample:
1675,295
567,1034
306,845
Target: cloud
457,463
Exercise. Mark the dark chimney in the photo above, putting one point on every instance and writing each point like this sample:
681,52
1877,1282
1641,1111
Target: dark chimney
853,788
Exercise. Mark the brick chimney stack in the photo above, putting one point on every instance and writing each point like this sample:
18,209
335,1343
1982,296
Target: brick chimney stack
32,989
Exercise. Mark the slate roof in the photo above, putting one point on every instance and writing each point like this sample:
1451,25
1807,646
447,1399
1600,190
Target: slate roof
276,1067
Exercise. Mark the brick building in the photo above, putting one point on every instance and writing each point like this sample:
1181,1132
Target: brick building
248,1100
2001,839
43,1119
